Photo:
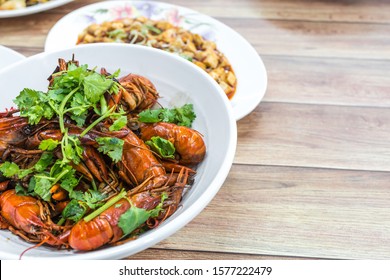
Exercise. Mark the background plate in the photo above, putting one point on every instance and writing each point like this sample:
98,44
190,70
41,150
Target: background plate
247,64
33,9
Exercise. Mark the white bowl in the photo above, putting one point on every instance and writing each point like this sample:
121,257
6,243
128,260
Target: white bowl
9,56
178,82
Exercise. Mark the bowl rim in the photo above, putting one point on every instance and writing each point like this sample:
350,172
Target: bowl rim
187,215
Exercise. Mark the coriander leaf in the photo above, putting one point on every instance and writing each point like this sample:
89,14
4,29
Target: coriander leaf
63,173
12,169
93,198
79,119
9,169
70,154
77,146
114,89
79,105
56,95
31,185
108,204
73,211
42,187
57,168
45,160
132,219
30,97
150,116
72,66
34,115
48,144
183,116
115,74
33,105
69,182
113,147
71,78
162,147
156,211
168,115
71,149
95,85
20,190
118,124
78,195
24,172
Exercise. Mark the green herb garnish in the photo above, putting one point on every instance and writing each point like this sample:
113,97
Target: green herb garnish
134,217
184,115
111,146
10,169
162,147
73,93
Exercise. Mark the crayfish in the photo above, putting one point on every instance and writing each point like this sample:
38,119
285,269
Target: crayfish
72,186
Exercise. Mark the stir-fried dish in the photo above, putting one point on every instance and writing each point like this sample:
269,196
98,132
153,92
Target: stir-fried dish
92,161
19,4
165,36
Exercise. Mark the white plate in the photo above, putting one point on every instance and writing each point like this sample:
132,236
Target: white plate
9,56
33,9
178,82
248,66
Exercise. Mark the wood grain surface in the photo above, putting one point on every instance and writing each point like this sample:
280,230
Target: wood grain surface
311,175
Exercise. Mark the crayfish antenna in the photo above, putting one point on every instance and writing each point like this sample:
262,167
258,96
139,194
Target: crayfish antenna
33,247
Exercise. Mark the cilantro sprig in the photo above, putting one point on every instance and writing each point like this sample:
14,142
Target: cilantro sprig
73,93
184,115
134,217
10,169
81,203
35,105
111,146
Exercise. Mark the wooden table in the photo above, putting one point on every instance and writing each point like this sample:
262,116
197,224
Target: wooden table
311,176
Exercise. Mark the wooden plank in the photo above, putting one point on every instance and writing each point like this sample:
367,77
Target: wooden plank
328,81
304,212
32,31
269,37
163,254
315,136
329,11
347,11
315,39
